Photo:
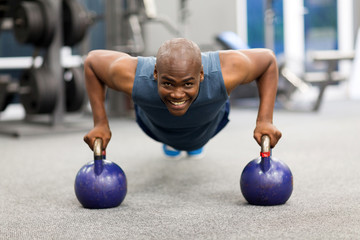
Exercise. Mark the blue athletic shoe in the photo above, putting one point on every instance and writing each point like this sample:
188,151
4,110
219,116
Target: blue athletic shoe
196,154
171,152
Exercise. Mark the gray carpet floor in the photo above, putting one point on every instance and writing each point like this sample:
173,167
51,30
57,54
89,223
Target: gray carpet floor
189,199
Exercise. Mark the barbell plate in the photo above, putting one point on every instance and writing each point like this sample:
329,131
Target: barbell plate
28,22
34,23
48,13
42,96
74,89
76,21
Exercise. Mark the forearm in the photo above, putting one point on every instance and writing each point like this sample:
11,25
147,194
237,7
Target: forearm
96,90
267,88
242,67
105,69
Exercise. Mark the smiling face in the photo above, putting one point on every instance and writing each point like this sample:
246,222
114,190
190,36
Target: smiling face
178,72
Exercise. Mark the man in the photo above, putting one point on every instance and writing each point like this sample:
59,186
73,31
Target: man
181,96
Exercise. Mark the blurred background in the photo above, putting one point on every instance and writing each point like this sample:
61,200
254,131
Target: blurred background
43,44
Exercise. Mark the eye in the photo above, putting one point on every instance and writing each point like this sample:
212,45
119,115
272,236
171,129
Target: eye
166,84
189,84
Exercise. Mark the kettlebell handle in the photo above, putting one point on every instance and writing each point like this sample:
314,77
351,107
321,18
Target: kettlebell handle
265,146
98,148
98,158
265,153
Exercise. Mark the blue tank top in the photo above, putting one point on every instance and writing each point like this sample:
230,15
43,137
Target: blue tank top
196,127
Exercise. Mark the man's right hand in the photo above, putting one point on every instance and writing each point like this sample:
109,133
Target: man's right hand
100,131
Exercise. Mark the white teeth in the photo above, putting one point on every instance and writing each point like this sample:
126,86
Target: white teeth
177,103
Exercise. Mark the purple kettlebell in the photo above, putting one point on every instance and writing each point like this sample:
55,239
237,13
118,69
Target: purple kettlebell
100,183
266,181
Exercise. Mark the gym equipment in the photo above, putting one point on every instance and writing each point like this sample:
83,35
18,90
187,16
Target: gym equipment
76,21
38,98
75,91
100,183
8,91
266,181
231,40
34,23
38,91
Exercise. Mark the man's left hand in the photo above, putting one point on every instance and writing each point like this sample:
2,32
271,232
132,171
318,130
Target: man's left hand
267,128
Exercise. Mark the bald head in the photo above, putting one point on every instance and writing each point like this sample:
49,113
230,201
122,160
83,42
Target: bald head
179,51
178,72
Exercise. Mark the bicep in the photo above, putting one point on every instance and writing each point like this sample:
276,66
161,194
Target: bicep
114,69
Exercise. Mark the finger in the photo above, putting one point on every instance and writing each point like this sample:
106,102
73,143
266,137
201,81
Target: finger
273,142
274,139
91,142
257,137
106,142
87,141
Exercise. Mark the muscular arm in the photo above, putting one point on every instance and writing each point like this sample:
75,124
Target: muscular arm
106,69
241,67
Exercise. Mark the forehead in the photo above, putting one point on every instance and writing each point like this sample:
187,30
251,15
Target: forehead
178,65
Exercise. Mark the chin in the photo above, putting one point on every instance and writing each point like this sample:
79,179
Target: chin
177,113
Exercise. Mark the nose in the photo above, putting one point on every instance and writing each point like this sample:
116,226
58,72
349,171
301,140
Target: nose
177,94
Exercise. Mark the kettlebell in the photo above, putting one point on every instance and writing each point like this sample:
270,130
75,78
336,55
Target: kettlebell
266,181
100,183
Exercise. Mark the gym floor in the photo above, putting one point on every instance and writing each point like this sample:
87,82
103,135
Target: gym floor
189,199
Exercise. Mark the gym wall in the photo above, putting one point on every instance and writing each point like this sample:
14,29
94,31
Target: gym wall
207,18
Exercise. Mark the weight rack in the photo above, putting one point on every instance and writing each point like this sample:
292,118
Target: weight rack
54,122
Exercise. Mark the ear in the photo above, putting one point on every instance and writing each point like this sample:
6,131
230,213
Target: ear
202,73
155,73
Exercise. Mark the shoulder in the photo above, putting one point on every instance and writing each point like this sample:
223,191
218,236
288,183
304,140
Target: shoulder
231,59
243,66
122,72
235,66
124,65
